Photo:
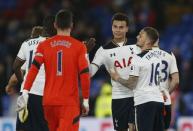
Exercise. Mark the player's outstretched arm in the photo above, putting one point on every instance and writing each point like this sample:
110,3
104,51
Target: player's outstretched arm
130,83
174,82
12,83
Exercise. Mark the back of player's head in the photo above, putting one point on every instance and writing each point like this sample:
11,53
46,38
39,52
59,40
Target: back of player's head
152,34
64,19
36,31
48,25
121,17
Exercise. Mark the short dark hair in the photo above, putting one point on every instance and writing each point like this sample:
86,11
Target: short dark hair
48,25
152,33
64,19
36,31
121,17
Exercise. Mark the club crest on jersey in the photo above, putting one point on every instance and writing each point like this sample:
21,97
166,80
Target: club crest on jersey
131,50
39,54
122,63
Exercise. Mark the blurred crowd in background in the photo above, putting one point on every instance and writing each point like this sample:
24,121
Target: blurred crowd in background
92,18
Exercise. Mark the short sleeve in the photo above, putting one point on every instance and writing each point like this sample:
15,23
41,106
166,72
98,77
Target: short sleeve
173,67
39,55
21,54
98,58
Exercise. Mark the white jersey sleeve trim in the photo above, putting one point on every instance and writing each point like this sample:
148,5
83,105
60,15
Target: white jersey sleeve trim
99,58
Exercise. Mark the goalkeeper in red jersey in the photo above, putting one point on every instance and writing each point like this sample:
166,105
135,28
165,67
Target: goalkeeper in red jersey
65,60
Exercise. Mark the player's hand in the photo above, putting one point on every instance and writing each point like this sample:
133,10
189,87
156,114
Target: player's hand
85,107
23,114
114,74
90,44
10,90
22,101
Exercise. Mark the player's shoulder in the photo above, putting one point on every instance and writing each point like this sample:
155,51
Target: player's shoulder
100,49
77,45
167,52
28,39
26,42
45,40
76,42
162,50
169,55
41,38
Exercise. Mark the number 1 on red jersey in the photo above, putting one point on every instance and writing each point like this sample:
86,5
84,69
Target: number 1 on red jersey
59,63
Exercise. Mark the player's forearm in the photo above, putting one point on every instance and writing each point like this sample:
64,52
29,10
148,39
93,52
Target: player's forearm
130,83
17,69
174,82
173,85
13,81
19,75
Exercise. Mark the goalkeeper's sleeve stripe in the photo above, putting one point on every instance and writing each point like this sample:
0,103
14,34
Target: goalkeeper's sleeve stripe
31,75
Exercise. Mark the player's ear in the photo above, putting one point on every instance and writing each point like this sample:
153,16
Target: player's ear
55,25
127,29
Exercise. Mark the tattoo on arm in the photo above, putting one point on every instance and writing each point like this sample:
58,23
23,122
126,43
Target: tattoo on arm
123,81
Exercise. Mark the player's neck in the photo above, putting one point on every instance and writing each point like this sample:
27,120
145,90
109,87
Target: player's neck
156,45
117,40
65,32
146,48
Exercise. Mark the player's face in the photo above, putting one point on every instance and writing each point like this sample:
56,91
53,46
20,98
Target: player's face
142,38
119,29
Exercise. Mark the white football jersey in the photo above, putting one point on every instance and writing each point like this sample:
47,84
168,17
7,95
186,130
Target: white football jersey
169,66
112,55
147,67
26,52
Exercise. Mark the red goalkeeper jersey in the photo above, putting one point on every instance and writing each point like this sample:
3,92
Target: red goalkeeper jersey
64,59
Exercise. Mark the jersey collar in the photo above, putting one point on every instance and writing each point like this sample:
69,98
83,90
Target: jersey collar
117,44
